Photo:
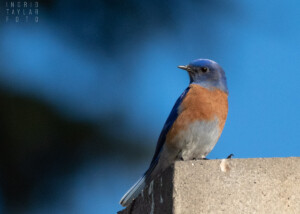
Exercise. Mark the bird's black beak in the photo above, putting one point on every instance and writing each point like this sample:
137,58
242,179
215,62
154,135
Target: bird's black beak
184,67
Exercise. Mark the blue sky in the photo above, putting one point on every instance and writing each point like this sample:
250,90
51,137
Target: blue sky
257,44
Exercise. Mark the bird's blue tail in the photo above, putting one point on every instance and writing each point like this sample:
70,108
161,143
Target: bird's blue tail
133,192
137,188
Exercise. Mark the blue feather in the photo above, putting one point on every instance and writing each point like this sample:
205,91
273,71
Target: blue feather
135,190
168,124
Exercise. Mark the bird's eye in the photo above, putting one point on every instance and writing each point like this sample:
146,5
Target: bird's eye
204,69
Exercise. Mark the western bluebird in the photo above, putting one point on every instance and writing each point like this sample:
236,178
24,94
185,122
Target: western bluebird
194,124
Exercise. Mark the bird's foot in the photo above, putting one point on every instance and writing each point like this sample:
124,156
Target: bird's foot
200,159
230,156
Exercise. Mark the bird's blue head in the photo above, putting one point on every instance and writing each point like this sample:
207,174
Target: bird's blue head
206,73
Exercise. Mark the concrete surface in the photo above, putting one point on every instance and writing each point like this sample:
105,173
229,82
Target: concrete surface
258,185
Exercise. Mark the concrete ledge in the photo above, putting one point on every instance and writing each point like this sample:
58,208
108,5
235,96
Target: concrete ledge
259,185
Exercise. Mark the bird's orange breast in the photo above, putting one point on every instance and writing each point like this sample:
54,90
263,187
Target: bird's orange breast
200,104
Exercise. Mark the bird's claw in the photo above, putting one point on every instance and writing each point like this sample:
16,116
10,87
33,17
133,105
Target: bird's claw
230,156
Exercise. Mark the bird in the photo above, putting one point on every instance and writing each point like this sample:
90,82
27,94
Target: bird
194,124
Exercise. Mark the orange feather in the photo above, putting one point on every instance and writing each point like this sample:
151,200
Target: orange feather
200,104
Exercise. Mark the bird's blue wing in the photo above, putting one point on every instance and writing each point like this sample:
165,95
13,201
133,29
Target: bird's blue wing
168,124
134,191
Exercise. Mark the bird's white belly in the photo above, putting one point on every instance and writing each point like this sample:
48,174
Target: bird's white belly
197,140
